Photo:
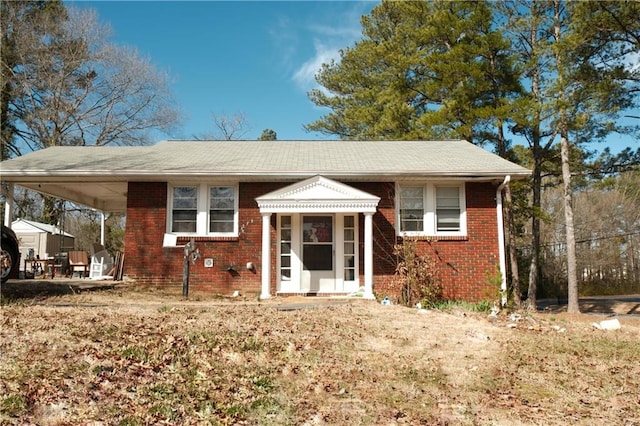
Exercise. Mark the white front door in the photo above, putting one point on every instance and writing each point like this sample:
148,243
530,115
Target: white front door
318,254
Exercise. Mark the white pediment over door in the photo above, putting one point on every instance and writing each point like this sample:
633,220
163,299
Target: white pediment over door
317,195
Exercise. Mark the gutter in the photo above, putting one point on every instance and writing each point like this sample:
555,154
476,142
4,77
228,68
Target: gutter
501,242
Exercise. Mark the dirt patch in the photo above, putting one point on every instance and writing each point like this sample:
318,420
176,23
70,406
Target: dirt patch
123,356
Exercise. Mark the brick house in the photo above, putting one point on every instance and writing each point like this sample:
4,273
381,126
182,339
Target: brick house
288,217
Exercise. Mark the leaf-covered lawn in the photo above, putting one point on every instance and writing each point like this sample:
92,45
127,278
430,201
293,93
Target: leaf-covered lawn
101,360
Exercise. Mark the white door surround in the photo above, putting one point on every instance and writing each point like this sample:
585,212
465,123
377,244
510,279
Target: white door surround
324,197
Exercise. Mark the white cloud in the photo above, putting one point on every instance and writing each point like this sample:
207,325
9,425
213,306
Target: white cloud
305,75
340,30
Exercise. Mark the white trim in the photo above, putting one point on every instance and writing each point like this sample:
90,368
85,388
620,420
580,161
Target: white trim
318,195
294,283
202,214
266,256
429,203
368,256
8,204
501,241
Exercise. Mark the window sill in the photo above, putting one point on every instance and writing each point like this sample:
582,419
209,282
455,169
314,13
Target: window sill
435,237
184,239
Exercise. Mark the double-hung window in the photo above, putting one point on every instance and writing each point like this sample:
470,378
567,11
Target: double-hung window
184,211
447,209
222,210
412,208
431,209
206,210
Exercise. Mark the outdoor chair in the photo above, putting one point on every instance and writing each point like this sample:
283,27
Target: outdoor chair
79,262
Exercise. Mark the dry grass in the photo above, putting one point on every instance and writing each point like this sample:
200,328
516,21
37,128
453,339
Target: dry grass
131,358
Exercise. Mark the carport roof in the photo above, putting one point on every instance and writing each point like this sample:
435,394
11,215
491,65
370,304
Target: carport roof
97,176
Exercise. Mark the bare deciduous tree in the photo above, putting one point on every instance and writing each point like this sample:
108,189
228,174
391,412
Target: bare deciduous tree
67,85
228,127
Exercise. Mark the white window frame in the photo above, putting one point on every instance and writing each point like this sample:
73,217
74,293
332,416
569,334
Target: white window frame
429,203
202,216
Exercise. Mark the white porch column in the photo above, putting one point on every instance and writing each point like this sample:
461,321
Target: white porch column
266,256
368,256
8,205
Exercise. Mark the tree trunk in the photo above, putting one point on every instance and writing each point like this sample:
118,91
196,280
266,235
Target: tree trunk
572,276
535,232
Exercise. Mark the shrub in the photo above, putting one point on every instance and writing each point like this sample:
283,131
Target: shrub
417,277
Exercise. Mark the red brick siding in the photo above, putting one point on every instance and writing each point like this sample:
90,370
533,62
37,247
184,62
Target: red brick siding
149,264
464,262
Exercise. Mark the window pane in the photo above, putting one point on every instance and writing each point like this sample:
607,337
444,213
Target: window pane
318,229
184,215
349,261
285,261
285,234
286,274
448,208
348,221
349,235
349,248
285,221
411,192
221,227
221,215
184,209
411,208
318,258
185,197
221,209
448,220
447,191
221,192
183,227
349,275
412,226
285,248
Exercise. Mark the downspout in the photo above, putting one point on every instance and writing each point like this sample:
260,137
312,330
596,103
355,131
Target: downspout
501,243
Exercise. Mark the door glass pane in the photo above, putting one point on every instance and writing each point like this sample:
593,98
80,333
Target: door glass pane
318,229
349,235
348,222
285,248
317,237
318,258
349,248
349,275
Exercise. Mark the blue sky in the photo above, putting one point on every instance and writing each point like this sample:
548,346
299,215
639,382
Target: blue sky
257,58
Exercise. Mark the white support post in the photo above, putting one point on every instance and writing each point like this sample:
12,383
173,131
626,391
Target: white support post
266,256
102,228
8,205
368,256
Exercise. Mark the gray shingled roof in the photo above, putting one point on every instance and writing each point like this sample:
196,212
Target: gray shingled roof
357,159
98,176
